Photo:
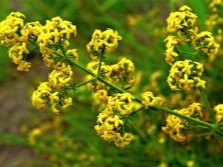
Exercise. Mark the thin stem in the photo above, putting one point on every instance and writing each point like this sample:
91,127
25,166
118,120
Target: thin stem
139,100
84,83
185,117
207,104
134,112
100,60
78,85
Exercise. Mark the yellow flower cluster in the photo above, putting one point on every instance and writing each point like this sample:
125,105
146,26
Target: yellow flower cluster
48,93
105,41
216,5
182,20
10,36
218,112
121,72
47,38
148,99
183,23
186,75
56,31
107,126
17,35
60,78
204,41
175,125
215,21
9,27
121,102
109,121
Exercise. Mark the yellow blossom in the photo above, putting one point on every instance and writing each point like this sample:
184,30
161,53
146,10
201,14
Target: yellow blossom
185,75
218,112
23,66
9,28
73,53
148,99
205,41
122,141
59,79
67,101
181,20
39,96
16,52
175,125
106,40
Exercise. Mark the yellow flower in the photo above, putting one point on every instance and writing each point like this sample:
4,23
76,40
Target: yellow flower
186,83
181,20
106,40
102,95
23,66
67,101
54,109
16,52
184,8
122,141
72,53
59,79
115,120
205,41
170,55
39,96
175,125
31,29
219,112
185,75
199,82
9,28
121,102
54,98
148,99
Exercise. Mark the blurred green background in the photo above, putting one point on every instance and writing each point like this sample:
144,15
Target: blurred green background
69,139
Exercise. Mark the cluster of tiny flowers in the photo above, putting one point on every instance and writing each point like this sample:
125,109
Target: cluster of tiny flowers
10,36
120,73
218,112
216,5
106,41
48,93
148,99
215,21
109,121
204,41
17,35
183,23
175,125
181,20
186,75
108,125
56,31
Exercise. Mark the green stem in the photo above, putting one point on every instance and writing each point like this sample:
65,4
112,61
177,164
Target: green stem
139,100
96,76
185,117
207,104
84,83
100,60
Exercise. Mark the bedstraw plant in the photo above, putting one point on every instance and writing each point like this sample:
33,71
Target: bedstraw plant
111,84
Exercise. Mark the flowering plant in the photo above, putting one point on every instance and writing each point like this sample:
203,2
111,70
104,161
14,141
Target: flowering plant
111,84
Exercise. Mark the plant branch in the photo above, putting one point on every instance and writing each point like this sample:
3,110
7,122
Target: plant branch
207,104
